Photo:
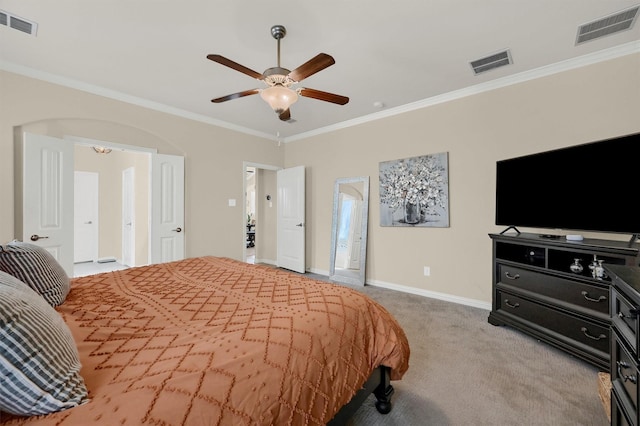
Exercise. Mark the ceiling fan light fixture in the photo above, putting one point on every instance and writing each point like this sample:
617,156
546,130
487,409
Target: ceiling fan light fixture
279,97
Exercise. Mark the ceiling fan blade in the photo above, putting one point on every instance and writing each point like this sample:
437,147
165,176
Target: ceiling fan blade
312,66
235,96
285,115
236,66
323,96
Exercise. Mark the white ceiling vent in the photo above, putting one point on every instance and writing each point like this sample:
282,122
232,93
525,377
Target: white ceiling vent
490,62
18,23
611,24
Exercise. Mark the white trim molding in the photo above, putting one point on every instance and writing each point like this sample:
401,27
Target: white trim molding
432,294
580,61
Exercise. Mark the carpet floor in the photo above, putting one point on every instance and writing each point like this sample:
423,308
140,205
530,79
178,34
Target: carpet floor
465,371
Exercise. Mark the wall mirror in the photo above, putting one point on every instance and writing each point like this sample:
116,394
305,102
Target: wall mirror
349,230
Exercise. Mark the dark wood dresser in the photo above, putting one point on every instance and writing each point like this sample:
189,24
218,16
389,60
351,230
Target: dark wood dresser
625,332
545,287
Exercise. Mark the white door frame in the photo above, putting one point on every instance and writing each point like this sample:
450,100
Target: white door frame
245,165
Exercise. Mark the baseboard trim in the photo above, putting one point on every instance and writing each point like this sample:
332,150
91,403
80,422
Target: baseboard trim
420,292
431,294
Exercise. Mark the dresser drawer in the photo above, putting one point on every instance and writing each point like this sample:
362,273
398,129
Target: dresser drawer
583,296
619,416
579,330
624,316
624,370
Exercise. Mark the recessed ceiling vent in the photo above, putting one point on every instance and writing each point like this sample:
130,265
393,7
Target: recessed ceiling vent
18,23
490,62
611,24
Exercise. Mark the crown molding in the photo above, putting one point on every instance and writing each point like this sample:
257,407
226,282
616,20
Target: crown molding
123,97
578,62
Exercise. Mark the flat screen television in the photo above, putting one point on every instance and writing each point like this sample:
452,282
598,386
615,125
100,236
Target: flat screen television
589,187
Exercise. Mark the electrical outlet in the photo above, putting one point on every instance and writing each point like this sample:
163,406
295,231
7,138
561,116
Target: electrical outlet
427,271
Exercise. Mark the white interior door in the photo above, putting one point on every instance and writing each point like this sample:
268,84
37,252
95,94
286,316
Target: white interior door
85,217
167,208
291,219
128,217
47,196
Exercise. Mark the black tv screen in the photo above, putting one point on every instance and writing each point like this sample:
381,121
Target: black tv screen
589,187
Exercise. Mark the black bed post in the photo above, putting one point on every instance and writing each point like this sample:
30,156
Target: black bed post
384,391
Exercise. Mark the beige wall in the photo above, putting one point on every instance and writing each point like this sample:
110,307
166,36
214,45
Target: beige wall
583,105
213,156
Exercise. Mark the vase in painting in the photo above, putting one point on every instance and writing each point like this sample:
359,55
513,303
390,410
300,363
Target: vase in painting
411,212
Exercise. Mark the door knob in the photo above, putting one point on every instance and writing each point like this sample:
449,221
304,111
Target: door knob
300,224
88,223
177,229
36,237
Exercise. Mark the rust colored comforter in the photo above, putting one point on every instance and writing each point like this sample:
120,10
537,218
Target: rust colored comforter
213,341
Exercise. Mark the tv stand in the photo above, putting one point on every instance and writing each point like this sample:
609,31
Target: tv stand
550,236
538,289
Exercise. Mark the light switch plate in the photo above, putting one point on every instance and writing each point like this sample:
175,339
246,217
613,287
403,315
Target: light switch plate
232,202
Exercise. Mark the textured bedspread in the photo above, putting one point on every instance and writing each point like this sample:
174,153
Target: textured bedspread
213,341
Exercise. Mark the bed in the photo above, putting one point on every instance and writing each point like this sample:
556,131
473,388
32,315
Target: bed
214,341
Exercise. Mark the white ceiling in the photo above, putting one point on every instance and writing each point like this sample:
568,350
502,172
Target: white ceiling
401,53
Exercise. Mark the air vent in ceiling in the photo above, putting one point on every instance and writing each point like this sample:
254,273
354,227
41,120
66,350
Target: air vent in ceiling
490,62
18,23
611,24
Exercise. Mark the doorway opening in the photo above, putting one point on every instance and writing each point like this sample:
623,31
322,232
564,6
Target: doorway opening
259,213
250,208
119,225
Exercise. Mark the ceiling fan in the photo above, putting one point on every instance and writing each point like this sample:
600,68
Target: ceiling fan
279,93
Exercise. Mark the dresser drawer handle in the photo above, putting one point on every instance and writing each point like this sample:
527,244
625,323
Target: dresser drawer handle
511,277
591,299
623,366
511,305
633,314
585,331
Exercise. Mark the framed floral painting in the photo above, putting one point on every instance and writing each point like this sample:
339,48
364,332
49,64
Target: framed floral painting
415,191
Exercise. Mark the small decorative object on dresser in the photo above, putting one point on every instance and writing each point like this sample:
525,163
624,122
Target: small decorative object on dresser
538,289
576,267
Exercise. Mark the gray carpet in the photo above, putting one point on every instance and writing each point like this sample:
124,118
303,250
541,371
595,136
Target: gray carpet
464,371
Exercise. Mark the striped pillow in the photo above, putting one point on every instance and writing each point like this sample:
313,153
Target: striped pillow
36,267
39,364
